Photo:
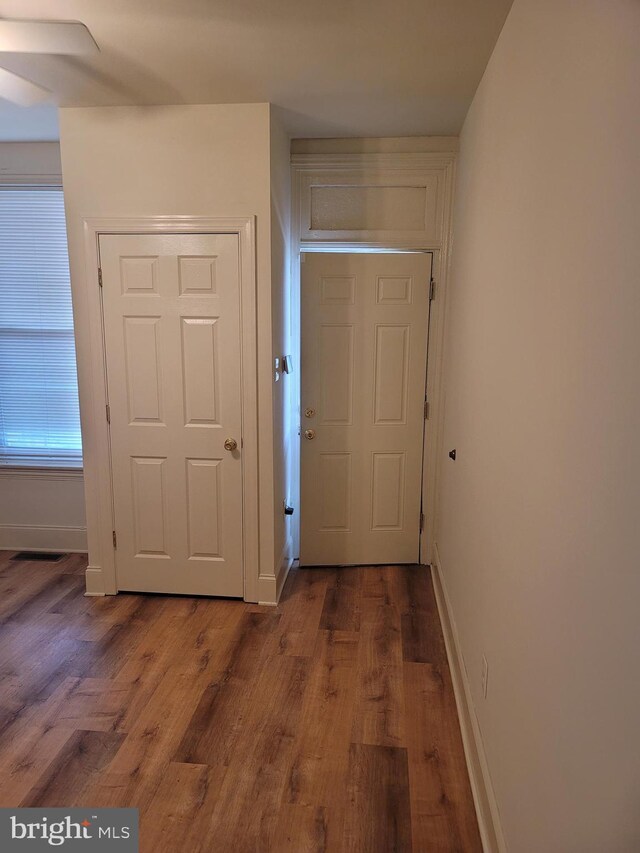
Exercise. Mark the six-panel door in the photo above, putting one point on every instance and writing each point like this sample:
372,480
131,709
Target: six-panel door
172,342
364,345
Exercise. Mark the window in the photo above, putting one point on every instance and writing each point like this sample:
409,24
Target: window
39,418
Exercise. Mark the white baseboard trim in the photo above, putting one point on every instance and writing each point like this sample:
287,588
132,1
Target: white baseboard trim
38,537
94,580
482,789
285,568
270,586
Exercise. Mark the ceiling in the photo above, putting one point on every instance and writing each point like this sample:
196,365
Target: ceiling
334,67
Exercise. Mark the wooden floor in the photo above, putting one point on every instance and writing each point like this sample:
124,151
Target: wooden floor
326,724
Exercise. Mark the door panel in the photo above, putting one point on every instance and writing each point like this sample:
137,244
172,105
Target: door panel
172,342
364,350
336,380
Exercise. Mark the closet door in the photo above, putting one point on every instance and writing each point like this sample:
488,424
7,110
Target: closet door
172,340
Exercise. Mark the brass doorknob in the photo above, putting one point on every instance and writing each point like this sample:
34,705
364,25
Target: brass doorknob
309,434
230,444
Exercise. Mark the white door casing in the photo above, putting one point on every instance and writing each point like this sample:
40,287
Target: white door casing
171,310
364,320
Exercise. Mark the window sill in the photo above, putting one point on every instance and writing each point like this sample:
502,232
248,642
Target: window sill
40,460
12,470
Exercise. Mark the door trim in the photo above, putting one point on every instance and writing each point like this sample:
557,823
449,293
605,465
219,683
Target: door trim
101,574
380,169
384,169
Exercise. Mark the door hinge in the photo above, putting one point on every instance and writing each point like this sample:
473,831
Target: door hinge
432,290
426,410
115,541
108,411
421,522
99,276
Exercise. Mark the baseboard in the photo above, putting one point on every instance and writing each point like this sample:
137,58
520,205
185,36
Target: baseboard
270,586
25,537
483,795
94,580
285,567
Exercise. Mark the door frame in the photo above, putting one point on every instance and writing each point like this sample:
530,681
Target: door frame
101,574
383,169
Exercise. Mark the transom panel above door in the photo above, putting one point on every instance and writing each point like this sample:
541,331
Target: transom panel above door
171,309
364,349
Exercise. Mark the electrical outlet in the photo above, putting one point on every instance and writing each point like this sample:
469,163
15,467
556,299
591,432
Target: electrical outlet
485,676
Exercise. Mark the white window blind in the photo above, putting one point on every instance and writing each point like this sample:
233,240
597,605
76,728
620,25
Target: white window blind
39,418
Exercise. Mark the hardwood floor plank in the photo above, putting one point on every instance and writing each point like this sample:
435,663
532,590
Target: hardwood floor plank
302,604
378,814
111,652
74,564
19,584
380,708
30,743
82,757
135,773
320,753
176,809
422,640
26,759
442,811
189,636
153,737
304,829
94,704
212,730
38,672
109,607
57,587
341,610
35,741
378,583
245,814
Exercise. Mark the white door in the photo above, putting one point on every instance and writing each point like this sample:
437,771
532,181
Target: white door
364,350
172,341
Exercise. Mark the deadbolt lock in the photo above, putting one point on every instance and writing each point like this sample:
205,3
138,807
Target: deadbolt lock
309,434
309,413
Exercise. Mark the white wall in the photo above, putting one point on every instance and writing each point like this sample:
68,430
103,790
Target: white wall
42,510
36,162
39,510
211,160
285,420
538,529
